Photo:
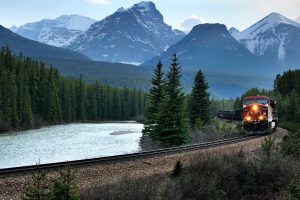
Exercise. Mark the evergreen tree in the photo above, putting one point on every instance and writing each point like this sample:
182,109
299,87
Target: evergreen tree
12,101
154,99
199,103
172,122
40,189
80,100
64,186
53,109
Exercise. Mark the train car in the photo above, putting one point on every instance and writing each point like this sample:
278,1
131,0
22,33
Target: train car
235,115
259,115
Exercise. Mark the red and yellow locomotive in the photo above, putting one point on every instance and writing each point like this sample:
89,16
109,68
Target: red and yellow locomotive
259,114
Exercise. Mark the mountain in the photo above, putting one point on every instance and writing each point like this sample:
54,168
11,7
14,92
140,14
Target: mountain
130,35
35,49
73,64
56,32
275,37
234,32
211,48
229,66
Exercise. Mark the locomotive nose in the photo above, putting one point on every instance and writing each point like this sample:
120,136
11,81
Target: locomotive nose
254,107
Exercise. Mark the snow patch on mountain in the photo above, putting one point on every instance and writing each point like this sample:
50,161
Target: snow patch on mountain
264,36
135,35
267,23
234,32
59,32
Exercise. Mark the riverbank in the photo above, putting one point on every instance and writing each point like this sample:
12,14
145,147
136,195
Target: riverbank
68,142
67,123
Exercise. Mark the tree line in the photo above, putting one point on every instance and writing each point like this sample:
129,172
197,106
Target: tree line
32,94
170,113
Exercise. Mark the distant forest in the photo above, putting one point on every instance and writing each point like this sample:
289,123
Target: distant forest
32,95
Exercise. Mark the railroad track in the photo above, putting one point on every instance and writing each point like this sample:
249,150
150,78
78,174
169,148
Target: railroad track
205,145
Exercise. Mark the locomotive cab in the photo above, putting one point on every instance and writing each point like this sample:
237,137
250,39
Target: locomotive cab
259,114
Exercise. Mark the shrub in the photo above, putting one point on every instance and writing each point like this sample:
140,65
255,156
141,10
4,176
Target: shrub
177,171
268,146
128,188
64,187
293,190
291,144
40,188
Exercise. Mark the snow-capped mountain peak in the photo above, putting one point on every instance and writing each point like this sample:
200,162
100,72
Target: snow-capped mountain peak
269,22
268,36
234,32
129,35
74,22
144,6
274,19
57,32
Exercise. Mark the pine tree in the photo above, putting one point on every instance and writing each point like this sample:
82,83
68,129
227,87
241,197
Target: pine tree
154,99
172,122
40,189
12,101
80,100
53,109
199,103
27,116
64,187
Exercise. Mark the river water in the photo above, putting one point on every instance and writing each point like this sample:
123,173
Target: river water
68,142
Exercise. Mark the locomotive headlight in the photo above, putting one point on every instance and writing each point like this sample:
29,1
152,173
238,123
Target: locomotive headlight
261,117
254,107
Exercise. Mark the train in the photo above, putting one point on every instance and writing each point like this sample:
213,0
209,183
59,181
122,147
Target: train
258,115
235,115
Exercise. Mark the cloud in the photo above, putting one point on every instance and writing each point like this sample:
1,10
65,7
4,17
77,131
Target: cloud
298,19
98,2
189,23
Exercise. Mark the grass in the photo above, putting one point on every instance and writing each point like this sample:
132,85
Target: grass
233,176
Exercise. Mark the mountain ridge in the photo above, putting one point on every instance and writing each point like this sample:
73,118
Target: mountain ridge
129,35
270,38
35,49
209,47
56,32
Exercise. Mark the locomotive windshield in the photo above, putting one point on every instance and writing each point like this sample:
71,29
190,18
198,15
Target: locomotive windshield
262,101
249,101
259,101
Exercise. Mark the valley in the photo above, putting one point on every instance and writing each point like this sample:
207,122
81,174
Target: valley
104,99
139,35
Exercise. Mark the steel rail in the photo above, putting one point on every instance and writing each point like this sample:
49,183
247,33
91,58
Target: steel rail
205,145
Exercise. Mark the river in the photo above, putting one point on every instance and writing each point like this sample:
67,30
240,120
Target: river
68,142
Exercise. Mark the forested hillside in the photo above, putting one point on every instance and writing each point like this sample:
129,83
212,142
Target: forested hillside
32,95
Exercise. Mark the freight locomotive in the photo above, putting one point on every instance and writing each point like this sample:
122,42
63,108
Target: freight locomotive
259,115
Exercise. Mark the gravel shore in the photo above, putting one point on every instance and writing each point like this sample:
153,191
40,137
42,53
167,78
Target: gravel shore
12,186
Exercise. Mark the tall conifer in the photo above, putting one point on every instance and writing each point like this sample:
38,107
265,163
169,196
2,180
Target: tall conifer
199,111
172,122
154,99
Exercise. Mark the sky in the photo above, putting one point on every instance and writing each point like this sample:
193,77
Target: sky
181,14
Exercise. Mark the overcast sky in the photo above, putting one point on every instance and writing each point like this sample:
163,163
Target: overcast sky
178,13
